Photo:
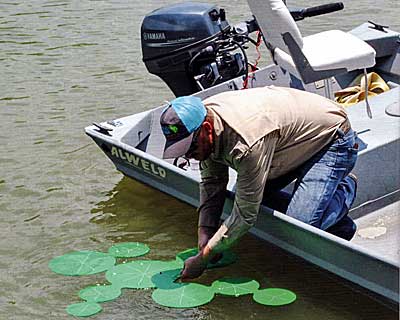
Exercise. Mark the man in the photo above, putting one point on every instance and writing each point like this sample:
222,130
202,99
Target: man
271,136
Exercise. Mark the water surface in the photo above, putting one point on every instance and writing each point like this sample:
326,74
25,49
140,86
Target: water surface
67,63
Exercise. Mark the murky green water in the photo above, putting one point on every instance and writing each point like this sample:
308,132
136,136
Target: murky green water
66,63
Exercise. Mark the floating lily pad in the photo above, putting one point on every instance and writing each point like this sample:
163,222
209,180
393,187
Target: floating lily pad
235,286
81,263
137,274
128,250
274,297
228,257
83,309
165,279
100,293
188,296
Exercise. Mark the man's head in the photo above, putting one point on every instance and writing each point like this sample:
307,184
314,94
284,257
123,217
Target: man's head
187,130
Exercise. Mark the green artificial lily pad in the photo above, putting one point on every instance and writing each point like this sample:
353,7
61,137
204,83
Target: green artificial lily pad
100,293
274,297
188,296
81,263
137,274
165,279
228,257
235,286
84,309
128,250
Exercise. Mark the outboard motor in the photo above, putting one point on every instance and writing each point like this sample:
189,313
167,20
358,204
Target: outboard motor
191,46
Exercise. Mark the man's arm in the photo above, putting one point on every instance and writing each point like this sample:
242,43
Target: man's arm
252,169
214,178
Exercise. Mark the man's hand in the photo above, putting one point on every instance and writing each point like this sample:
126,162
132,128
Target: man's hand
195,266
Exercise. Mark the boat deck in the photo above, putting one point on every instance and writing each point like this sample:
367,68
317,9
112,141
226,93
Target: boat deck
378,225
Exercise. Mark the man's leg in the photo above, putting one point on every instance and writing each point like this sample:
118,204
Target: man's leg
323,193
345,228
342,199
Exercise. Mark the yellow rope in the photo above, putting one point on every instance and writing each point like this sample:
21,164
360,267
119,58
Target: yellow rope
356,93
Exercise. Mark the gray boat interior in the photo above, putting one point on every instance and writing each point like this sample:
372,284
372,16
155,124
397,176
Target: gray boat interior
377,207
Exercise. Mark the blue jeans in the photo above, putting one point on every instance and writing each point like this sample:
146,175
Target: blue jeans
323,193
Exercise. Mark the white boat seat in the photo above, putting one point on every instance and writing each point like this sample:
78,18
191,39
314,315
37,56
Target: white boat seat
332,49
315,57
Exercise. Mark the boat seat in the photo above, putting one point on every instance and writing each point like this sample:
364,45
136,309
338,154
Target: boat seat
316,57
325,54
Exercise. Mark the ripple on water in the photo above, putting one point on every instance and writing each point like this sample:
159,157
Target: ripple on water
13,98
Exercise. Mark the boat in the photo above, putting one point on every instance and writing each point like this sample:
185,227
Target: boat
192,47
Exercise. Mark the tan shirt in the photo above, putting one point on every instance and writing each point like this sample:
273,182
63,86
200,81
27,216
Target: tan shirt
262,133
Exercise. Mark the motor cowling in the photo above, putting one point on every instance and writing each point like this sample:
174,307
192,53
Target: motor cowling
179,46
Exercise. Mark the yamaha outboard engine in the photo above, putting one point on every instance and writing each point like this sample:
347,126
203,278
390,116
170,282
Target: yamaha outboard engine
191,46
